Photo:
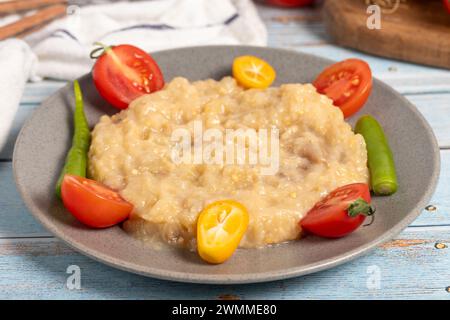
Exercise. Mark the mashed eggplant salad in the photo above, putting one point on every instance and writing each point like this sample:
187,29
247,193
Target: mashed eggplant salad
179,163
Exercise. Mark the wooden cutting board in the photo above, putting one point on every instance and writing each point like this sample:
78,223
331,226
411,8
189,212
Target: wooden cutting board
417,31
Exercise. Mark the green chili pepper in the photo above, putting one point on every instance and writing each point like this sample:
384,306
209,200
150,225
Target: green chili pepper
76,159
383,178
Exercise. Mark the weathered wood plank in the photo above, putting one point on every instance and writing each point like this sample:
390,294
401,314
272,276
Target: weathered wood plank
21,116
438,211
404,77
436,109
36,92
410,267
298,26
18,222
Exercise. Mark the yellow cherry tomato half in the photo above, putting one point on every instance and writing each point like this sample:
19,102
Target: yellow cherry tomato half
220,228
253,72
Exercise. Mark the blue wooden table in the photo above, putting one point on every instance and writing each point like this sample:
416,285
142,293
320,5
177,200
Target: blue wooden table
415,265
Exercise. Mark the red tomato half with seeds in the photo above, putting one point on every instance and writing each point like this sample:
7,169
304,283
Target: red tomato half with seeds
347,83
339,213
92,203
123,73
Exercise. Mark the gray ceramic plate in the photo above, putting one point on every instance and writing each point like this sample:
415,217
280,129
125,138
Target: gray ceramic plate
44,140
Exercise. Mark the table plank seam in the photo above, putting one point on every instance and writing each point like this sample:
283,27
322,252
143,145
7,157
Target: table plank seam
27,237
426,93
429,225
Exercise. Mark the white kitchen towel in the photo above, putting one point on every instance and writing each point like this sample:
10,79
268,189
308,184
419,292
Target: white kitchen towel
17,65
63,47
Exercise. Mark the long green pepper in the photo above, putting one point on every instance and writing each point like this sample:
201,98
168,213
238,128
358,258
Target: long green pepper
76,159
383,177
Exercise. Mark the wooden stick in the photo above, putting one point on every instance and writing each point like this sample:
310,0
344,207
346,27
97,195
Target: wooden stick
24,5
40,17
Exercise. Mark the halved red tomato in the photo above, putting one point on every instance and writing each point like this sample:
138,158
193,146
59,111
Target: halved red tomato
347,83
447,5
123,73
339,213
92,203
290,3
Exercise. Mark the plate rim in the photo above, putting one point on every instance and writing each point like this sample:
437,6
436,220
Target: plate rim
225,279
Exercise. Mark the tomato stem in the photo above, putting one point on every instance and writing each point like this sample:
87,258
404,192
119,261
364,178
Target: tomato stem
372,219
102,48
360,206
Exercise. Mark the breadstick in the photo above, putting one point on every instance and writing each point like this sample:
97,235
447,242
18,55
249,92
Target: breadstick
39,18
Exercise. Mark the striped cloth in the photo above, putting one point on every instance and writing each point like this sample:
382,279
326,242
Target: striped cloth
63,47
